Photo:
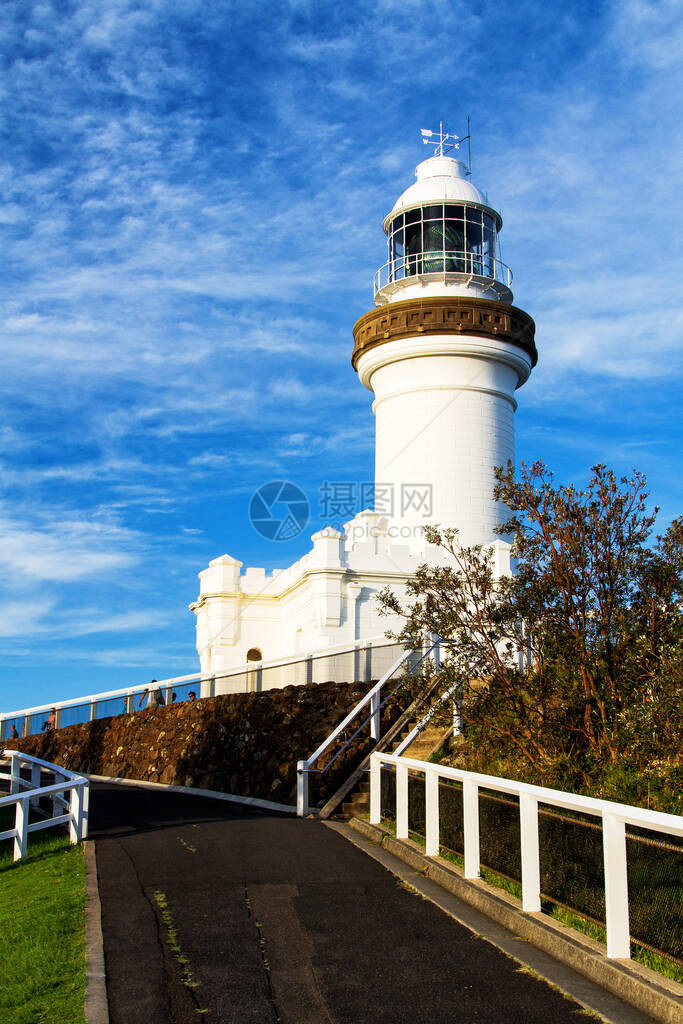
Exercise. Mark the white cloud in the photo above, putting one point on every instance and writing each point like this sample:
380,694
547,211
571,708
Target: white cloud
23,618
65,551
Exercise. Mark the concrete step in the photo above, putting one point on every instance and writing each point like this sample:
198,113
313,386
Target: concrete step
357,805
427,742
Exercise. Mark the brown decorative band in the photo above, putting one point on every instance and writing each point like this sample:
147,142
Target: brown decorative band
457,315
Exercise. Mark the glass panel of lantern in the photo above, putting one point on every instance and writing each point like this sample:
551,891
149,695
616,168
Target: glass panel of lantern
433,239
473,241
489,246
396,269
397,241
413,243
454,238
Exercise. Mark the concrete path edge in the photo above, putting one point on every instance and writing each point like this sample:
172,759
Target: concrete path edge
659,997
248,801
96,1005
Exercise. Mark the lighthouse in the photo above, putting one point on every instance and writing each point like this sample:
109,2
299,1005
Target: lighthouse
444,351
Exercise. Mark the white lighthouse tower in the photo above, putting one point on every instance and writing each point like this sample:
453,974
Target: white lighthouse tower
443,351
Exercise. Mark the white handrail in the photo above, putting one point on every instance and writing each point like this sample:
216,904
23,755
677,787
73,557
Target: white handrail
372,697
76,785
19,755
415,732
614,817
137,689
74,702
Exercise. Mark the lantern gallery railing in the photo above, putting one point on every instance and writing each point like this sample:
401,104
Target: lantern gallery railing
613,817
464,264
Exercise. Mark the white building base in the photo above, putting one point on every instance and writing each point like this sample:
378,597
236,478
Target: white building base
327,599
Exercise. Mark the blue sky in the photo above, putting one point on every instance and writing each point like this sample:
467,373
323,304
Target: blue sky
221,171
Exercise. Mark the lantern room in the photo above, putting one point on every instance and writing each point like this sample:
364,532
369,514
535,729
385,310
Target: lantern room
442,239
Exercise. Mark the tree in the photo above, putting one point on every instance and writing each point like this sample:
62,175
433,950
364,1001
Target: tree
578,654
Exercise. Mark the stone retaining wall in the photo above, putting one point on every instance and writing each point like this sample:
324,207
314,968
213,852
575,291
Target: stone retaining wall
246,743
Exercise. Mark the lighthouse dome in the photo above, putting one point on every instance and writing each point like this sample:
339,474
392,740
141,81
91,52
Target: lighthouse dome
441,179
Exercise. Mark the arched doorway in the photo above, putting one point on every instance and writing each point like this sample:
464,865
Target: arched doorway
254,674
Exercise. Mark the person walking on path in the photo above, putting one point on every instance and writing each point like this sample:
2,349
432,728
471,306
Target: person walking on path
155,698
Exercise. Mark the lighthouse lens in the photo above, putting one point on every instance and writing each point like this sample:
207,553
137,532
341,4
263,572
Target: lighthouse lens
433,245
442,238
454,241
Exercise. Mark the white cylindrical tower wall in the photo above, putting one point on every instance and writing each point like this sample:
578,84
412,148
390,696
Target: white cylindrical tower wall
442,425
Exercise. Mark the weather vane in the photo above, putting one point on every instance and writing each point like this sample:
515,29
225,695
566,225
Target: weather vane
443,141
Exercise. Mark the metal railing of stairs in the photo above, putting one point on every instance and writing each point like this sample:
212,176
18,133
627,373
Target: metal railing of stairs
374,699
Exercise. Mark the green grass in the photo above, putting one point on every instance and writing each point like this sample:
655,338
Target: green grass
42,930
655,961
172,937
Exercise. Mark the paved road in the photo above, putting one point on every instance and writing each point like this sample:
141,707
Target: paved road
216,913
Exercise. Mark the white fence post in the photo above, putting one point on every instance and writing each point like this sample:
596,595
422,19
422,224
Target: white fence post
15,773
20,824
35,783
367,663
616,887
431,814
86,811
375,724
401,801
301,789
470,807
530,856
76,812
375,791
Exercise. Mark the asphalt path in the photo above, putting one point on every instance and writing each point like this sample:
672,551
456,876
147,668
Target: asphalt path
214,912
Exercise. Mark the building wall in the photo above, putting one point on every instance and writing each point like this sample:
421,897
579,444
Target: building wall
327,599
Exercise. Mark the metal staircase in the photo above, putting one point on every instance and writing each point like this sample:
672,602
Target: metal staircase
353,796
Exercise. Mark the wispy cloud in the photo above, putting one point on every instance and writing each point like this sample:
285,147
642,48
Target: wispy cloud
67,550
